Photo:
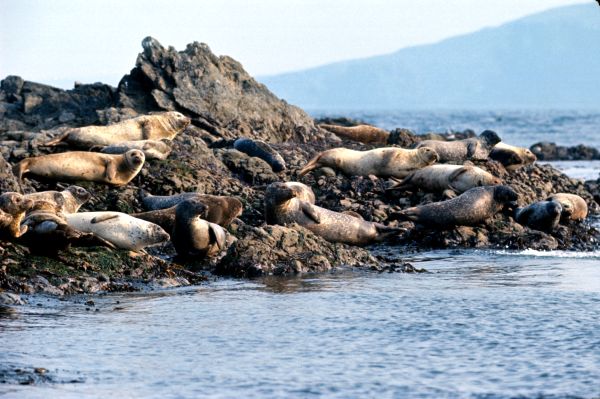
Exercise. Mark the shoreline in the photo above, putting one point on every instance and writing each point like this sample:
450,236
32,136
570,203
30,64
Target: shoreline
203,160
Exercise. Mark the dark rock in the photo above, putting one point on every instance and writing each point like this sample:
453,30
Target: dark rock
280,250
545,151
216,91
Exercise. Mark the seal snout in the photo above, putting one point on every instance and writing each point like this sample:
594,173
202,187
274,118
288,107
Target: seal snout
554,208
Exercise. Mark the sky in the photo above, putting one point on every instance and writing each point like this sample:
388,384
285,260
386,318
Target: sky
58,42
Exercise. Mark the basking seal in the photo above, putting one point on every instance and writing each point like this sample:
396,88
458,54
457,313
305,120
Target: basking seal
120,229
512,157
221,209
443,177
303,192
165,125
470,208
573,206
382,162
262,150
459,151
362,133
13,207
68,200
283,207
84,166
541,215
193,236
152,149
48,231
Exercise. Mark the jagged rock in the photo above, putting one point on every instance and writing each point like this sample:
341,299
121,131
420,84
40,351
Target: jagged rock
216,91
283,250
545,151
34,106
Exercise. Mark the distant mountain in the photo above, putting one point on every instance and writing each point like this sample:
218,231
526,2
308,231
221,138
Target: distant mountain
549,59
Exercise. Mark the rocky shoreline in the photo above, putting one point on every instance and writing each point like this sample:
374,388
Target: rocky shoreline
225,103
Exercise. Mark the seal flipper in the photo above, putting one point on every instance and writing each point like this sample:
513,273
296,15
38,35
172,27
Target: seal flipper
217,235
400,183
56,140
386,231
309,211
103,218
111,170
312,164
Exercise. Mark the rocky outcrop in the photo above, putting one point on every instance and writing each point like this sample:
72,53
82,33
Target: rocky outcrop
545,151
32,106
224,103
278,250
216,91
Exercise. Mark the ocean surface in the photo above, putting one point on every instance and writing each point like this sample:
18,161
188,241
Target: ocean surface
478,324
522,128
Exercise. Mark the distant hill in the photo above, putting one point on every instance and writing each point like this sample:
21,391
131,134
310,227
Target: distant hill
549,59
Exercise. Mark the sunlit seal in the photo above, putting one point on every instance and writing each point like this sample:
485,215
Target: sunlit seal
472,207
165,125
283,207
382,162
116,170
459,151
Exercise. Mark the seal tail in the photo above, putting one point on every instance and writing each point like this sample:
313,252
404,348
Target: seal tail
311,165
410,214
387,231
57,140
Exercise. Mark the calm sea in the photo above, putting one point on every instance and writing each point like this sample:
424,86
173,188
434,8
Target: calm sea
478,324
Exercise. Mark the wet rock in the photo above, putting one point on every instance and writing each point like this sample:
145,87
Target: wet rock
546,151
279,250
8,298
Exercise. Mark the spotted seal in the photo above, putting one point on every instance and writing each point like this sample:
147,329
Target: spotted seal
459,151
362,133
443,177
116,170
69,200
573,206
382,162
262,150
471,208
283,207
541,215
13,207
146,127
512,157
120,229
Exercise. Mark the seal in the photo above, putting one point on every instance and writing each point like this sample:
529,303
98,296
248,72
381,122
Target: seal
573,206
382,162
472,207
120,229
262,150
362,133
117,170
193,236
221,209
165,125
541,215
303,192
447,179
512,157
13,207
283,207
152,149
459,151
48,231
68,200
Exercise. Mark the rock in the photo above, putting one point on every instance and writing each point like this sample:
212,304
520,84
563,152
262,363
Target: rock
545,151
280,250
252,170
8,298
216,91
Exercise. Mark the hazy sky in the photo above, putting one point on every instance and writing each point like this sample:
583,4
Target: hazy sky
98,40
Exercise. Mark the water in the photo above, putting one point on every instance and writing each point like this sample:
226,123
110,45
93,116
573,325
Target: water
479,324
522,128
